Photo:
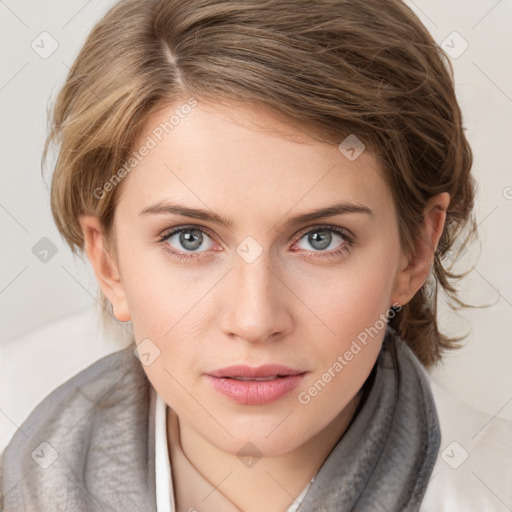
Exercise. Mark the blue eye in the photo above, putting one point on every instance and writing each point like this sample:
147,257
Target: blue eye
185,243
186,239
330,240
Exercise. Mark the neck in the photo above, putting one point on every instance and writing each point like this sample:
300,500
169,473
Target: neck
273,483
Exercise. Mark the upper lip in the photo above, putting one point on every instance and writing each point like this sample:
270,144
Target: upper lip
267,370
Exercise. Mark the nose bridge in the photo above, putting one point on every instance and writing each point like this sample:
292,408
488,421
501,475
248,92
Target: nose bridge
257,307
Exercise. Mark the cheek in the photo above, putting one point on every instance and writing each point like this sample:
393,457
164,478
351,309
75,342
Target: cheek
350,299
159,293
353,308
167,305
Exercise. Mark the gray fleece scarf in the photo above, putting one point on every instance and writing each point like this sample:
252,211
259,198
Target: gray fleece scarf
89,446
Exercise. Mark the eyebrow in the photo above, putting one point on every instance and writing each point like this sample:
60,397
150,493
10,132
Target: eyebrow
166,208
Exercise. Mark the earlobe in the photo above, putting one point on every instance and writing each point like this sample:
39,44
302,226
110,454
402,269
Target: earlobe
104,266
413,273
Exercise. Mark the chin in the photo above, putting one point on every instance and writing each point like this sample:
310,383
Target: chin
267,438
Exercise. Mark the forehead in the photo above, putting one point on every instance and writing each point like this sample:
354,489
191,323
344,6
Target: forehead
245,161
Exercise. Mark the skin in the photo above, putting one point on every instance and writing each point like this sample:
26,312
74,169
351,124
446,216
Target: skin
293,305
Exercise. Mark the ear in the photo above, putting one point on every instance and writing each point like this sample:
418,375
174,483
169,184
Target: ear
104,266
414,272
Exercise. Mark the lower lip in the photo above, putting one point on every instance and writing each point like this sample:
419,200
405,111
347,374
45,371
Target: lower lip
250,392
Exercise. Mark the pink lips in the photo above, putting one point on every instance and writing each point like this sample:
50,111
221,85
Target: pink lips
255,385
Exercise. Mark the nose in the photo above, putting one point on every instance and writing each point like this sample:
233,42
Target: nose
257,302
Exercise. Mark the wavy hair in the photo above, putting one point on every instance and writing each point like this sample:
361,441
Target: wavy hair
333,67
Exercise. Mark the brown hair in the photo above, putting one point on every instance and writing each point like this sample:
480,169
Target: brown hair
333,67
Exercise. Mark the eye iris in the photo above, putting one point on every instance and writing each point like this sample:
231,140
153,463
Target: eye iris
320,239
191,239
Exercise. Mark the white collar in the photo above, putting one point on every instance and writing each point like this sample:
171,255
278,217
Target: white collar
164,490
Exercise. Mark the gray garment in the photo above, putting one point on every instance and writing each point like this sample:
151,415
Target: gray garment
98,443
384,461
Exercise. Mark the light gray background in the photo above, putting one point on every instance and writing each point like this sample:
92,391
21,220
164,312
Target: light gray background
33,293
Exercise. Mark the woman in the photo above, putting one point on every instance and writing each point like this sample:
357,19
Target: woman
267,192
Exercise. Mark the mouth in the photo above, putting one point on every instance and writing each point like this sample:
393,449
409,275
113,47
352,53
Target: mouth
255,385
258,379
244,372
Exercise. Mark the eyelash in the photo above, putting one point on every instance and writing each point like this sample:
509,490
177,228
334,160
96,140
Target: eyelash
349,241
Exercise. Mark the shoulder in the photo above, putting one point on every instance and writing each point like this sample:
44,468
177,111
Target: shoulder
106,381
49,356
73,366
95,419
473,469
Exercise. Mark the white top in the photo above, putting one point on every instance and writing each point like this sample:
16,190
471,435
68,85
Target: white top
163,474
164,490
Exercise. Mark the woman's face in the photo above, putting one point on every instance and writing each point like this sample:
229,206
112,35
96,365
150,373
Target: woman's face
248,282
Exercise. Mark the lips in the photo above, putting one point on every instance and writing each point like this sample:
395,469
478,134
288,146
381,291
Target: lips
254,372
255,385
257,379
